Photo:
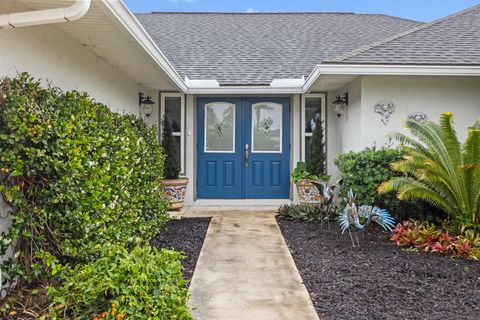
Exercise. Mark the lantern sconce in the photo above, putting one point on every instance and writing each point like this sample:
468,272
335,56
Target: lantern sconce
340,103
145,104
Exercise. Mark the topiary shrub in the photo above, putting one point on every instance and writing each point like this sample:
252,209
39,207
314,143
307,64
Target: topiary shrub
364,171
316,157
77,175
172,161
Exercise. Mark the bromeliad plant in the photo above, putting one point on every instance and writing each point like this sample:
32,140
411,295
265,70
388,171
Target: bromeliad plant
428,238
439,169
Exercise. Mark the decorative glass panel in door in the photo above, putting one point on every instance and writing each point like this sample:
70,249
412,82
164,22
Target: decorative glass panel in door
267,127
219,127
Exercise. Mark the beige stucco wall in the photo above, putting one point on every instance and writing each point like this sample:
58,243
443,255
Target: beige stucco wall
430,95
48,53
361,127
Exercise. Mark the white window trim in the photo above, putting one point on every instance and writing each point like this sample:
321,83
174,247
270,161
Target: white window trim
181,134
302,121
280,106
234,127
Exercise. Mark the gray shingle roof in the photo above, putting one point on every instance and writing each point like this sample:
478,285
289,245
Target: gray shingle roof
454,40
253,49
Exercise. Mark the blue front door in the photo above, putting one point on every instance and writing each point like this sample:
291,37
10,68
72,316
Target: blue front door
243,148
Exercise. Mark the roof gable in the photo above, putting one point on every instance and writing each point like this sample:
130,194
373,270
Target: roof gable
254,49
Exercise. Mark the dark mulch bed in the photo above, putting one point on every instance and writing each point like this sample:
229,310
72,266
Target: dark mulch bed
186,235
380,280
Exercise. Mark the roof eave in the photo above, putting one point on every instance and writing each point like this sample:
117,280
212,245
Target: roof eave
389,70
119,11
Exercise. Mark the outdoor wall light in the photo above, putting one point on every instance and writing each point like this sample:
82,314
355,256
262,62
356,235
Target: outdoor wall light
145,103
340,103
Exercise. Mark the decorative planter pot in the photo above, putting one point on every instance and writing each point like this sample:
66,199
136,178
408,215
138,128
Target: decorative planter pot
308,193
175,192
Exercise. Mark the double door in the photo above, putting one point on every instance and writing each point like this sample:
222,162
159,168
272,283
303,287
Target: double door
243,148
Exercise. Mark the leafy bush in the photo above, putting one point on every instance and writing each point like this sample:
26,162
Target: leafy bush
307,212
171,147
427,237
316,156
441,170
141,284
364,171
300,173
77,175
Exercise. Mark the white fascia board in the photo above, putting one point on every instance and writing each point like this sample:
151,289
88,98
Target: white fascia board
245,90
286,83
118,10
389,70
192,84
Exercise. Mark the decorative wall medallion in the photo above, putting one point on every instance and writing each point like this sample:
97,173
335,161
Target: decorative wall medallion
386,109
418,116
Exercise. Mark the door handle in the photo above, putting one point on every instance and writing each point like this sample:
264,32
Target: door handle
246,155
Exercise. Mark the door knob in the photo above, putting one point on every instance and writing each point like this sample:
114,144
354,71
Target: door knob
246,155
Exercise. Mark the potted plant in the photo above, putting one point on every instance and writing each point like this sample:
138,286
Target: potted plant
313,169
174,187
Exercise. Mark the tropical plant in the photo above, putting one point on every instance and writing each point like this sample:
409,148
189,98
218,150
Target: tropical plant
300,173
308,212
439,169
429,238
316,156
171,148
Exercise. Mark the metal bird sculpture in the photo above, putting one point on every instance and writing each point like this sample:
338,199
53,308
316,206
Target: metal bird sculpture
350,217
328,193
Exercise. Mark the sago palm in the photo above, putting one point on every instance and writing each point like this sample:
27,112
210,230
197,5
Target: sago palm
440,169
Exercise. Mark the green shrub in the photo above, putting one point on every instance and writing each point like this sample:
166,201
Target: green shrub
316,157
77,175
171,147
364,171
141,284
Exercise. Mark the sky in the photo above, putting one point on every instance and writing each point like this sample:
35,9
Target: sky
420,10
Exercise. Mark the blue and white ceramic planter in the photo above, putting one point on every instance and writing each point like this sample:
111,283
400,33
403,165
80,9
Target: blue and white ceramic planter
175,192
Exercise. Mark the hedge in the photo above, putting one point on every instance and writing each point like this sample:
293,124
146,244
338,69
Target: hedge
77,175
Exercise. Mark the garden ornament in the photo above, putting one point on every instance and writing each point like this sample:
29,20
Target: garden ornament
350,218
328,194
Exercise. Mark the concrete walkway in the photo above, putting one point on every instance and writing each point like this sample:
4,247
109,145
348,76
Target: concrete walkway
246,272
